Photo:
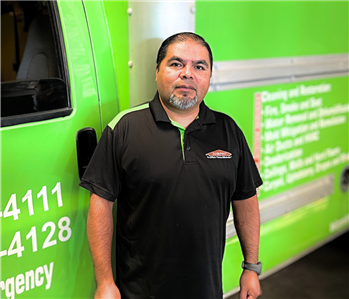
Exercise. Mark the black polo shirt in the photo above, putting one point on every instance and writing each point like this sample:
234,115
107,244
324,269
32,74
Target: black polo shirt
172,206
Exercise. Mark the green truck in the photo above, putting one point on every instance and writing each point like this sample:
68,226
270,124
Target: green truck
68,67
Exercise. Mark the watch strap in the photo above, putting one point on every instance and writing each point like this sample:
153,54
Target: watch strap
252,267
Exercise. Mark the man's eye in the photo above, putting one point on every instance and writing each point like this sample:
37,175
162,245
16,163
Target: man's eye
175,64
200,67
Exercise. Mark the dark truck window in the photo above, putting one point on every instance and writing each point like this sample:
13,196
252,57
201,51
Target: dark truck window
34,77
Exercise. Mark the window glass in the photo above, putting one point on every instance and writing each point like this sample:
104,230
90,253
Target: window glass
34,85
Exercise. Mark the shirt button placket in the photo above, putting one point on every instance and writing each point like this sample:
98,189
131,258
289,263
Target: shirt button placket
188,149
187,144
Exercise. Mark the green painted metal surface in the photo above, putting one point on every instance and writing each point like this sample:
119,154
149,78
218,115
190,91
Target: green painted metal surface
38,160
103,60
239,30
117,19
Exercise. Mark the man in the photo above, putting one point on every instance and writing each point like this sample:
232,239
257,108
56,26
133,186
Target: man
174,166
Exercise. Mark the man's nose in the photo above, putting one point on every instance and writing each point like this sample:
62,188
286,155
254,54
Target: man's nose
186,72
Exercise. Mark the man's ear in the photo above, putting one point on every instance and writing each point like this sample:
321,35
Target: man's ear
156,72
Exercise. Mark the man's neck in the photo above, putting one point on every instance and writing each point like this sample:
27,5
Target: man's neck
183,117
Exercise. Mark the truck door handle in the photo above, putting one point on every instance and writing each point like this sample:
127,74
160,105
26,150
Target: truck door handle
86,142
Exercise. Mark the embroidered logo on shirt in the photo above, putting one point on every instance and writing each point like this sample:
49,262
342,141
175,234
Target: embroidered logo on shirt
218,154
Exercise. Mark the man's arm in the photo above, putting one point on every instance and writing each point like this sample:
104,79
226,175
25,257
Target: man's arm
100,234
247,225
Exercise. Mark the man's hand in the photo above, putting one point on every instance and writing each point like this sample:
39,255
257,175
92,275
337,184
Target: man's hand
107,291
249,285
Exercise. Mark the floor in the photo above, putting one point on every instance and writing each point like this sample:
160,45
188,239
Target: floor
323,274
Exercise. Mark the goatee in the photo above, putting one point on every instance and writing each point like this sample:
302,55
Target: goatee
183,102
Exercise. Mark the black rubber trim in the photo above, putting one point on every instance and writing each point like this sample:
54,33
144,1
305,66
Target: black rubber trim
33,117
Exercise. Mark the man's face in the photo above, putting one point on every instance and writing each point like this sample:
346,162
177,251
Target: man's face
183,77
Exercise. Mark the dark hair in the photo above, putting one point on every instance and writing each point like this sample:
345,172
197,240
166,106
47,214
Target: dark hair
178,38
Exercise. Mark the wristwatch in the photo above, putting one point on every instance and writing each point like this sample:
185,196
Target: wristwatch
252,267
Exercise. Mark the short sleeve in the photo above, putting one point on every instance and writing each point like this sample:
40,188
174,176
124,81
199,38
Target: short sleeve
101,176
248,178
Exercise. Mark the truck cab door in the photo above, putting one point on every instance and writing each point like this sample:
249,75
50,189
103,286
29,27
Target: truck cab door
48,97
